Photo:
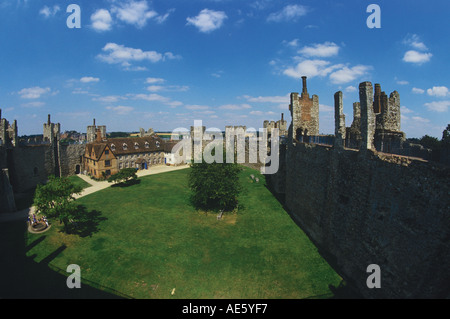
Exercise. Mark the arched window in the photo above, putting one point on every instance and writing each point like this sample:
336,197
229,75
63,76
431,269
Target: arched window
157,144
125,146
113,147
136,146
147,145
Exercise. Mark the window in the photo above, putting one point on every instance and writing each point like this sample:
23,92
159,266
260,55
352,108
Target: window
106,152
136,146
113,147
157,144
125,146
108,172
107,163
147,145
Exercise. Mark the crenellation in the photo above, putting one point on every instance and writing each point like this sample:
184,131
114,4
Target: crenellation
304,112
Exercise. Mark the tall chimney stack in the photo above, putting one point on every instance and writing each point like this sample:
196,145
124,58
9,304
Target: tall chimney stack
48,120
305,90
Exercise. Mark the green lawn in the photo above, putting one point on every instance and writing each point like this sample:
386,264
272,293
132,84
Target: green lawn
78,181
147,240
25,200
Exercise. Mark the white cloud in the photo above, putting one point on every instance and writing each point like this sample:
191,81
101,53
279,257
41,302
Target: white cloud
326,49
155,98
350,89
101,20
171,56
346,74
154,80
121,110
402,82
117,53
268,99
438,106
197,107
438,91
207,20
420,119
49,12
293,43
405,110
325,108
415,42
288,13
235,106
34,92
417,91
109,98
88,79
155,88
33,104
413,56
311,68
134,12
172,88
161,19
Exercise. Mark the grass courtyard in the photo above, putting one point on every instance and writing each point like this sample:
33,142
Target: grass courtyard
147,240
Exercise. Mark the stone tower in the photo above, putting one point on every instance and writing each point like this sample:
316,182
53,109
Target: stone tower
305,113
91,132
51,131
8,133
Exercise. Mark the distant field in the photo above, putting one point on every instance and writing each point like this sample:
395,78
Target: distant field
151,241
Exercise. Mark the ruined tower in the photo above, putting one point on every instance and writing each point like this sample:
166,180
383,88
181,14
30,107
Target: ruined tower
305,113
339,120
367,116
91,132
8,133
51,131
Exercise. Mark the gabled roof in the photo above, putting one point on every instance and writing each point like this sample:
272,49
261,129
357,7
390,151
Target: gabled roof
97,148
144,144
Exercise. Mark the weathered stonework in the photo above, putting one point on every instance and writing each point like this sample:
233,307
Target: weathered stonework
339,120
365,210
365,207
367,116
304,112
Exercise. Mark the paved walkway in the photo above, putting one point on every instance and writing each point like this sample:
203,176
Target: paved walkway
96,186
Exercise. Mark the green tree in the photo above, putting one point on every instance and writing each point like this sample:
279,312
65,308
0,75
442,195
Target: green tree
214,186
123,176
55,199
446,135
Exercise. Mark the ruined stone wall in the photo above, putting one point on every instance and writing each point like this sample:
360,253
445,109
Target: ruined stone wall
71,156
29,166
362,209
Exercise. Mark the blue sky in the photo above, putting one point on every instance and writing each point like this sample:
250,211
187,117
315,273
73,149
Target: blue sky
164,64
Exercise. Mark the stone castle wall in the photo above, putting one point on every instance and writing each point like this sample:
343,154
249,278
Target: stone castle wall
70,157
363,209
29,166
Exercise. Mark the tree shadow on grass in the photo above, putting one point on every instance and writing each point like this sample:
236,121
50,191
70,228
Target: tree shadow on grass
127,183
86,223
25,278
